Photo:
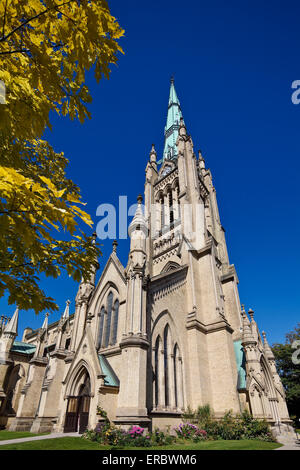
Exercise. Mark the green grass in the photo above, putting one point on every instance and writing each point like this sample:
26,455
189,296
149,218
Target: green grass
77,443
5,435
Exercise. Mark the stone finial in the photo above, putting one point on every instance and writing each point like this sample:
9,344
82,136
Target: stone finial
201,160
247,337
138,222
66,312
45,323
251,314
243,312
153,154
115,244
267,348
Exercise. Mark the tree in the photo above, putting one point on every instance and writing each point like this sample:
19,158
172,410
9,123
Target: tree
289,370
46,47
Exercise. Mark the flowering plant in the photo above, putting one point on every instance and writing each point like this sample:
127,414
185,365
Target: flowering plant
190,431
136,431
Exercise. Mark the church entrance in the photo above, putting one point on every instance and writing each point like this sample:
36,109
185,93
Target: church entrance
77,415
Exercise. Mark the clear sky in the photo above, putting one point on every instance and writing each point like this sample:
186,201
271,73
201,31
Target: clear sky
233,63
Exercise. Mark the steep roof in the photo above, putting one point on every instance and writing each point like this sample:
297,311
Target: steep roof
24,348
111,378
172,126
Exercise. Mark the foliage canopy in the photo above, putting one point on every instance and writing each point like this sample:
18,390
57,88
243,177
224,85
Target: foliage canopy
46,48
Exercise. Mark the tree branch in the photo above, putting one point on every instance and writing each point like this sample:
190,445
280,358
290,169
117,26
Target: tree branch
4,38
15,52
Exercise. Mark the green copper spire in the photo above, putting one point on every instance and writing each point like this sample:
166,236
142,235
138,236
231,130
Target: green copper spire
172,126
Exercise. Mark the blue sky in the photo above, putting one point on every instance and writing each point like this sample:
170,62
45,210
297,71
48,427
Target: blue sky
233,63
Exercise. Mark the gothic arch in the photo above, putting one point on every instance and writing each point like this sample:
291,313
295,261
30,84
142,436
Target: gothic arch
175,183
168,383
107,320
109,285
159,324
158,196
75,379
15,381
170,266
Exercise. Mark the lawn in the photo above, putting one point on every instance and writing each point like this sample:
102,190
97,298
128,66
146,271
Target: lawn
6,435
77,443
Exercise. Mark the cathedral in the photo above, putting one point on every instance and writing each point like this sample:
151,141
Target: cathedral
152,338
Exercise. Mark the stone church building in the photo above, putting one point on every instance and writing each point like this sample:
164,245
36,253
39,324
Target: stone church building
149,339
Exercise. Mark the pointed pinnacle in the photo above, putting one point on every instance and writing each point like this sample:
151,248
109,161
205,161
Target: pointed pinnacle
251,314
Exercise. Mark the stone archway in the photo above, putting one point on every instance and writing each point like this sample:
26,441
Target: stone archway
77,415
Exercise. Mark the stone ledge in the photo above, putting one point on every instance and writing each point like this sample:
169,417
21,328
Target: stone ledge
134,341
209,328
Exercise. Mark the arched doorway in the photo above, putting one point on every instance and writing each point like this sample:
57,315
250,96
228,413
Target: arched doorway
77,415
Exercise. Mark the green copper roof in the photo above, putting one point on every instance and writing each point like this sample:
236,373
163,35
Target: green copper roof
24,348
240,362
110,377
172,126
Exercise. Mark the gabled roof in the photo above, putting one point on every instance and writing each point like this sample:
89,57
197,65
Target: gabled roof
113,259
111,378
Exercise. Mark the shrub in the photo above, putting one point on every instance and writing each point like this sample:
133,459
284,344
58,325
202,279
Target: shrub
233,427
161,438
190,431
202,417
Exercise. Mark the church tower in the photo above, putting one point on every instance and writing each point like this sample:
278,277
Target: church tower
192,303
151,339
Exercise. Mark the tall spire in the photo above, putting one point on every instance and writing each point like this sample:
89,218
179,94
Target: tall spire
172,126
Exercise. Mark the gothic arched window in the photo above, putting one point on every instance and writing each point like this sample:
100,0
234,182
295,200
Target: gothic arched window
115,322
175,374
171,206
156,371
168,384
166,353
101,326
178,201
108,319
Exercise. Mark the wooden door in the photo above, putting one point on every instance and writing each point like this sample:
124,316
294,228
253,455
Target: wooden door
71,421
77,416
84,407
